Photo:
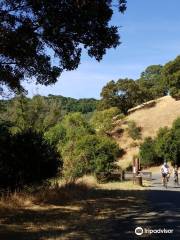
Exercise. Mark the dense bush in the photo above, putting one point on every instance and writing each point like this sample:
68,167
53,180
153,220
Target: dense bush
102,121
173,143
163,142
148,155
73,126
56,134
168,143
165,146
65,136
89,154
25,159
83,151
134,131
171,72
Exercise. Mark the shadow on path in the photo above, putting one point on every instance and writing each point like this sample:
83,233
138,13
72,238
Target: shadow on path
104,214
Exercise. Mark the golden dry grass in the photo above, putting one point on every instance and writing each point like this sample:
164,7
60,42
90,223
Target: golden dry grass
70,212
125,185
15,200
62,192
162,114
58,193
150,120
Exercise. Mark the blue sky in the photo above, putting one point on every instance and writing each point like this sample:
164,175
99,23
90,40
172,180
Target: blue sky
150,34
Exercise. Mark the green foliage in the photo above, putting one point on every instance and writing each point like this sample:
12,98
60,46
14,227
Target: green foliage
17,114
175,146
72,127
89,154
109,96
102,121
41,113
26,158
56,134
64,27
82,150
134,131
171,73
84,105
127,93
76,126
147,153
176,124
73,166
124,94
165,147
65,136
152,81
35,113
162,142
168,143
106,151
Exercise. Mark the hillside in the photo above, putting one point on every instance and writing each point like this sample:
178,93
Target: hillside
149,119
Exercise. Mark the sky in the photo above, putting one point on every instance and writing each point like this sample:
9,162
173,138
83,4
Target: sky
150,34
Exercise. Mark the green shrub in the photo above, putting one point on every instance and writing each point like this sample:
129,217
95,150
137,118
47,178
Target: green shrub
147,153
74,165
56,134
165,147
82,150
163,142
89,154
134,131
168,143
176,124
106,153
102,121
25,159
73,126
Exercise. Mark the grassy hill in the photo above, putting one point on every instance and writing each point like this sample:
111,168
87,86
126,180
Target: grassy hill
149,117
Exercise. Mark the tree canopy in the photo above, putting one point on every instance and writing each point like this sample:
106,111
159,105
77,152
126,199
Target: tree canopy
127,93
34,33
40,113
171,72
123,94
152,80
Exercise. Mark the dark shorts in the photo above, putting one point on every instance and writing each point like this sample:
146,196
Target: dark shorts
164,175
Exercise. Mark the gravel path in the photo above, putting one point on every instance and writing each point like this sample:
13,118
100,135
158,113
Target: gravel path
161,210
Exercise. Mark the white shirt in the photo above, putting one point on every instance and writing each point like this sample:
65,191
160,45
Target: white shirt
165,169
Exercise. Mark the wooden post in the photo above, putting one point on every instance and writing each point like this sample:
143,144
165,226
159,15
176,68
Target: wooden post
139,180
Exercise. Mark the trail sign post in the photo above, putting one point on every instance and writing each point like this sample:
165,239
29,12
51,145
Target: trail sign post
136,168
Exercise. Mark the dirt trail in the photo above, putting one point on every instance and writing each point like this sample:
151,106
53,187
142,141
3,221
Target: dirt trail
103,214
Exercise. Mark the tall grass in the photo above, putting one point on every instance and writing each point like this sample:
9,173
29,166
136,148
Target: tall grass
50,194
